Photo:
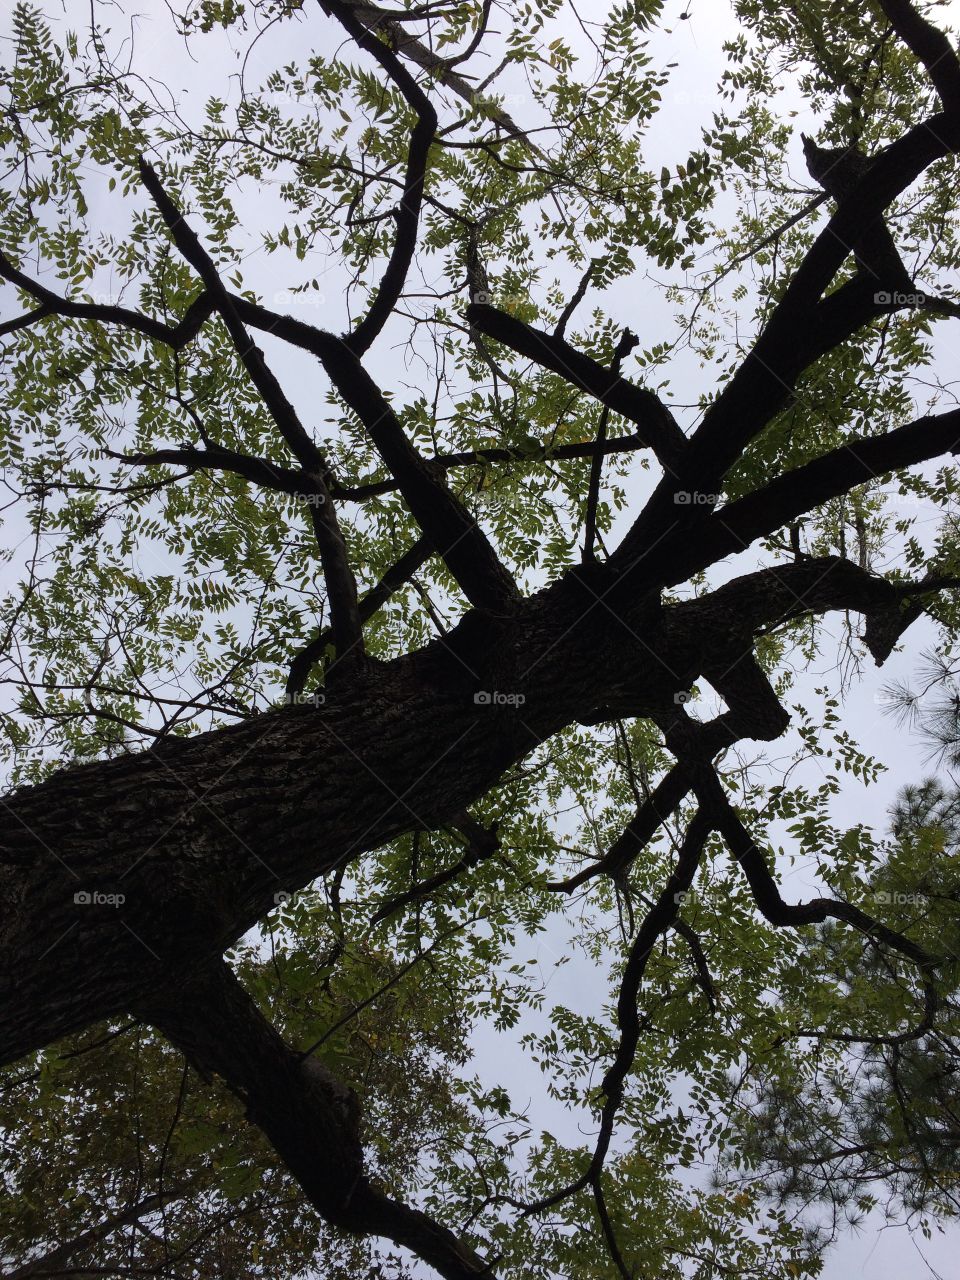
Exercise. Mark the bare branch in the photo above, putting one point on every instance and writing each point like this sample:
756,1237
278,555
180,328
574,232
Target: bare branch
638,405
395,577
408,210
341,584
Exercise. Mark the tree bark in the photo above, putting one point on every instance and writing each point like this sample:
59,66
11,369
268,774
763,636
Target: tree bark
184,847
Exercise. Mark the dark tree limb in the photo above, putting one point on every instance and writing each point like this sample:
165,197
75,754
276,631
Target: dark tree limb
482,843
682,738
456,535
51,1262
856,462
656,809
575,299
408,210
482,457
653,420
340,582
395,577
800,329
701,967
753,711
626,344
930,46
390,23
174,336
311,1118
657,921
259,471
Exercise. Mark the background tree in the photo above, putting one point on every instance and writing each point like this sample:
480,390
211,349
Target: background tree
324,705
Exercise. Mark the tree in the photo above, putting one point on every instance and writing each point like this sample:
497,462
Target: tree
419,649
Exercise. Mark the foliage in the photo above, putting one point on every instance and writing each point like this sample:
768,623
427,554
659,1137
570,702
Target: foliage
778,1069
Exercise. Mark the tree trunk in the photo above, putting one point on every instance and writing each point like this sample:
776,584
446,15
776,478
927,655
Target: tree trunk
184,847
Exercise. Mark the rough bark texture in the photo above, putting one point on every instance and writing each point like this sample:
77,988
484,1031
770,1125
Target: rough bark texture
199,836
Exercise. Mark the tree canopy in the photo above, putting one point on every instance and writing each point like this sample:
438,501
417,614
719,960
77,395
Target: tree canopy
440,441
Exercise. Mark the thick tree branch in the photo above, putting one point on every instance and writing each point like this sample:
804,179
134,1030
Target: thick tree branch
626,344
859,461
682,738
175,336
930,46
800,329
753,711
408,46
310,1117
664,800
457,536
259,471
653,420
